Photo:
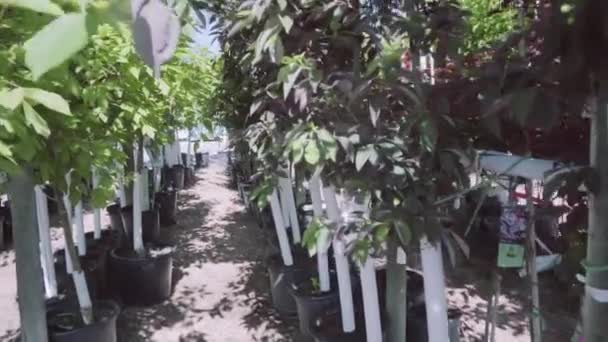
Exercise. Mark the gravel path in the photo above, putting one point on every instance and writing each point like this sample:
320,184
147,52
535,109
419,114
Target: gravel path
221,287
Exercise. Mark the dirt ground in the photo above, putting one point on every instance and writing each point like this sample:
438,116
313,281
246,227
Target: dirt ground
221,287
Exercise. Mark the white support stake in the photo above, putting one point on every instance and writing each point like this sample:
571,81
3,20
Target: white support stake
434,291
96,211
371,306
280,228
79,231
322,258
342,265
46,250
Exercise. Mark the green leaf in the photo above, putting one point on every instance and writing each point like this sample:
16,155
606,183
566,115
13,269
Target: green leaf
135,71
287,22
282,4
41,6
34,120
5,151
312,153
11,99
404,232
50,100
56,43
363,156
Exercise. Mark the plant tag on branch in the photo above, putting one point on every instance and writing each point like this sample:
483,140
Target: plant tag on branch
156,32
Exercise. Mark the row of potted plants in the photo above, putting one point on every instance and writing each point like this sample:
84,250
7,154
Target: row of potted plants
345,310
116,275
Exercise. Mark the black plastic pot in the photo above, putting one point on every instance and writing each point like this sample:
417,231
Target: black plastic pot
198,160
177,176
115,217
312,304
150,224
189,178
7,223
185,159
94,267
167,205
282,279
141,281
328,328
65,323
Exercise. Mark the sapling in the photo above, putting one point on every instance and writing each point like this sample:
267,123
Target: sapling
138,244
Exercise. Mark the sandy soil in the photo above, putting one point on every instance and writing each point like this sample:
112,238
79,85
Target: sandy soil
221,287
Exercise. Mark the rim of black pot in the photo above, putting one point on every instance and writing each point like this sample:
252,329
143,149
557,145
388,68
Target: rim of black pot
71,309
114,253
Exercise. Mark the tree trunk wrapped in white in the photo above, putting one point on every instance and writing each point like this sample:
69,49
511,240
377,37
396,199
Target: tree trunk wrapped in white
322,258
371,307
46,250
96,211
138,243
275,207
79,232
434,291
287,193
342,265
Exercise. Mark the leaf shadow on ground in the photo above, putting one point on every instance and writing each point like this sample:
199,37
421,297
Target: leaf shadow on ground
201,238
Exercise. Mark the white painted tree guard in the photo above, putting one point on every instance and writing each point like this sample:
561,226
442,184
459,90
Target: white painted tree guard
371,306
79,231
322,257
280,229
285,185
434,291
68,208
342,266
284,200
46,250
96,211
145,191
138,243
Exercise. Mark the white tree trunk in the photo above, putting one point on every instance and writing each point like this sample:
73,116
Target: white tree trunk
68,208
46,250
290,208
145,190
371,306
342,265
96,211
322,258
434,291
280,228
80,237
284,199
138,243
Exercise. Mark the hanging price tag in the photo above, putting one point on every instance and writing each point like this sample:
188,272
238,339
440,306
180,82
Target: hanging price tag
513,224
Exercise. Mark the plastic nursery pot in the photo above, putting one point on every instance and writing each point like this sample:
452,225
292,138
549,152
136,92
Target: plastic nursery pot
177,176
198,160
328,328
184,159
189,178
311,303
115,217
65,323
150,224
167,205
94,269
281,280
141,281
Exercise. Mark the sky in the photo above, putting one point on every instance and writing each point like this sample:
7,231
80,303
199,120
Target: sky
205,39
